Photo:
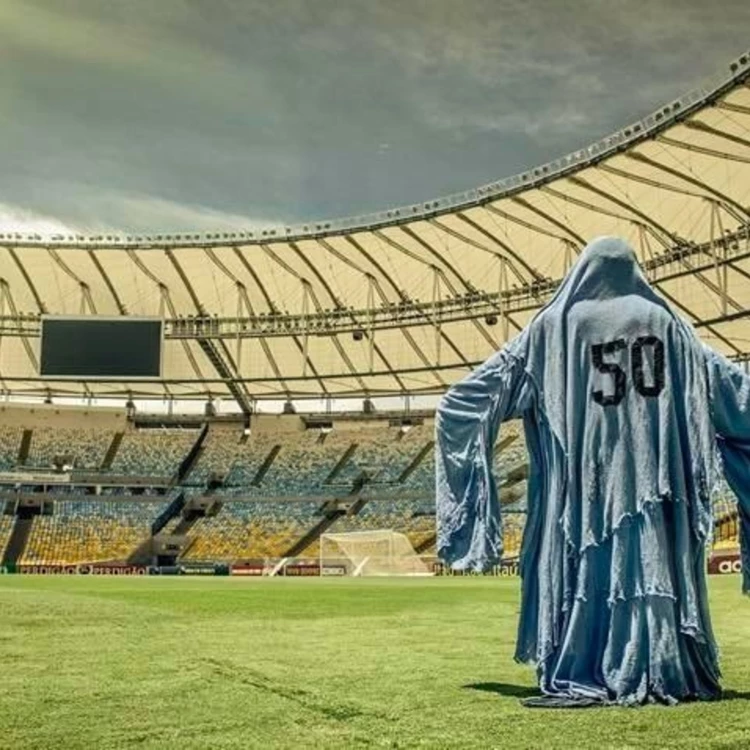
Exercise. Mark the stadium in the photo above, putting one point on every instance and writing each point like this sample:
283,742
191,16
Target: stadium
193,422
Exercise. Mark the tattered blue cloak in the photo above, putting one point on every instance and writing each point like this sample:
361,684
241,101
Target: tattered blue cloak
623,410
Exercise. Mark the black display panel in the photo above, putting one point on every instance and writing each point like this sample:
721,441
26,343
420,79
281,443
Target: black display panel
116,348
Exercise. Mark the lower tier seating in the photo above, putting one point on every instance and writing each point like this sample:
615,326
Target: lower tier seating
85,531
248,529
6,526
110,528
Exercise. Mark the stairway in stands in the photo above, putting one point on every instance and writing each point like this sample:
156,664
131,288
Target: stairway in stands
19,536
23,450
191,457
426,544
331,515
186,523
114,446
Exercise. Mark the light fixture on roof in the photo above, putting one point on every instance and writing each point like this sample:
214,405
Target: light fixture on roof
209,410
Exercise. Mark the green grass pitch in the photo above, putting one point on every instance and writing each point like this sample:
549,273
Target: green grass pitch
101,663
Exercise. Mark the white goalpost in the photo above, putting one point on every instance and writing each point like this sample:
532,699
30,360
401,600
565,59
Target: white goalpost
372,553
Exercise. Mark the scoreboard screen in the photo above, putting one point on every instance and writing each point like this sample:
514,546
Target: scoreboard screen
100,348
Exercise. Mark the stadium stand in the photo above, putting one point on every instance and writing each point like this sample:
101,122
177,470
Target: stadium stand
251,529
280,483
413,517
6,526
154,452
81,448
10,443
726,523
221,449
85,531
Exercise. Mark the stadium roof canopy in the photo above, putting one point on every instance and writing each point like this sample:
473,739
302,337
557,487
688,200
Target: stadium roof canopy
407,300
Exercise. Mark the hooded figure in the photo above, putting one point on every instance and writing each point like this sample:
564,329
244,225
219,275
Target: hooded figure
623,410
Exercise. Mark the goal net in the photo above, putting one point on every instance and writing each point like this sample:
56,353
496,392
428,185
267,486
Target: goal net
372,553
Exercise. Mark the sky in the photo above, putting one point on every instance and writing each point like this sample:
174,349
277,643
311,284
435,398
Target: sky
169,115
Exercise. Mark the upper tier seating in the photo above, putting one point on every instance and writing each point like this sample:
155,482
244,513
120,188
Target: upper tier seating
305,461
86,448
10,442
218,455
156,453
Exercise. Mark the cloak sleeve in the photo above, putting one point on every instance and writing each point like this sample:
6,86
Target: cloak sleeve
469,531
730,403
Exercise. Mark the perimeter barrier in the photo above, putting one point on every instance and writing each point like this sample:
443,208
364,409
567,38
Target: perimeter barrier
719,563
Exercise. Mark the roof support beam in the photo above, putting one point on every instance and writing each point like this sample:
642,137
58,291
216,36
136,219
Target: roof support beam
374,348
41,307
661,239
165,301
586,185
479,246
705,150
272,307
373,284
121,309
738,108
625,174
218,355
403,296
423,243
511,256
409,338
7,297
243,298
309,292
705,128
689,179
546,216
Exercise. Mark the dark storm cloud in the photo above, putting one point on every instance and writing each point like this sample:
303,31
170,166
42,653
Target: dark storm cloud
175,114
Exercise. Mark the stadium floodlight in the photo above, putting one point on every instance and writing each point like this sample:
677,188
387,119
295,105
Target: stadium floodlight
371,553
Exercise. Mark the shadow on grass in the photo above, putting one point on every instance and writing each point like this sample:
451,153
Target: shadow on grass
735,695
523,691
504,689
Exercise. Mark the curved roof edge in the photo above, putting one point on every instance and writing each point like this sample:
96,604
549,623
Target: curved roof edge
618,141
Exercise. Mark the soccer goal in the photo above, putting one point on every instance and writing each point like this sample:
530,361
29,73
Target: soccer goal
372,553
